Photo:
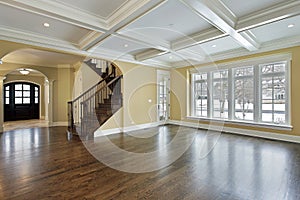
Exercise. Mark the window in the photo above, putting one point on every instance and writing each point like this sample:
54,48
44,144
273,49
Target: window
273,89
22,94
7,95
220,94
244,93
200,95
256,93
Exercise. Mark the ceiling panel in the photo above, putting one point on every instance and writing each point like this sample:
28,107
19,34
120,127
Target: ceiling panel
278,30
122,45
242,8
103,8
32,23
215,46
170,21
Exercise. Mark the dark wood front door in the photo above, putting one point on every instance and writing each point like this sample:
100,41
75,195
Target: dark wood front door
21,101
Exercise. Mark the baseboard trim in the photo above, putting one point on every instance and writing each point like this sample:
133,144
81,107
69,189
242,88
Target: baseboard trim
239,131
99,133
141,126
59,124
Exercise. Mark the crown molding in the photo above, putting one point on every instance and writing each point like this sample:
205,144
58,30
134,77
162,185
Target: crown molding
88,39
272,14
60,12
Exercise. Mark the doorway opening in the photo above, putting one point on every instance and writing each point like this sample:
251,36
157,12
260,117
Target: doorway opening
21,101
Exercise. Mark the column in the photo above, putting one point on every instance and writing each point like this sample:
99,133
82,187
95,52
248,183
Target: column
1,104
50,103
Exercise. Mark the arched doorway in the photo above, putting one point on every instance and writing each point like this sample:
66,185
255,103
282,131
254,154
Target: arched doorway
21,101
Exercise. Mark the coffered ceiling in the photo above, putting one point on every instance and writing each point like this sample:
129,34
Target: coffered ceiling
163,33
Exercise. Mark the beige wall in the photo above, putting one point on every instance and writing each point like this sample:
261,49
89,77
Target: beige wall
138,87
180,107
39,80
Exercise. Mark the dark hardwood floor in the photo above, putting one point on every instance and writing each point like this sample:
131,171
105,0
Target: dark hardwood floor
40,163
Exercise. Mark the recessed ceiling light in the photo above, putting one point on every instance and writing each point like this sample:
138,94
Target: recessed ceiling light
214,46
46,25
170,57
291,25
125,45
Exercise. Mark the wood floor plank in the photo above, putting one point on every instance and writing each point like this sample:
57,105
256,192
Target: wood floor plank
40,163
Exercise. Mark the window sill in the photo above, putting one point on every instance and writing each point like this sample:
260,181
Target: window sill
244,123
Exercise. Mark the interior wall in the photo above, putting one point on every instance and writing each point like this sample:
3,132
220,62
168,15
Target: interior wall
180,92
40,80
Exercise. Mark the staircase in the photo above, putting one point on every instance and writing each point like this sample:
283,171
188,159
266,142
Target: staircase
94,107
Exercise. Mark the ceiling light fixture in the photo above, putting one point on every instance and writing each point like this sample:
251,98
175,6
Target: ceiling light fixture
24,71
125,45
291,25
214,46
47,25
170,57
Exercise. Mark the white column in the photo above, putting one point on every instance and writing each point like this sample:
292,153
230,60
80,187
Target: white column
50,104
1,104
46,100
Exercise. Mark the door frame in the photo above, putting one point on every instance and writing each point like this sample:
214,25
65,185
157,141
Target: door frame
163,74
25,81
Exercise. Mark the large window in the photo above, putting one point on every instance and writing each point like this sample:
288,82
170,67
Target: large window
255,93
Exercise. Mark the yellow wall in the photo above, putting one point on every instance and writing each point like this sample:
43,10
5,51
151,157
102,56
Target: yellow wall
180,92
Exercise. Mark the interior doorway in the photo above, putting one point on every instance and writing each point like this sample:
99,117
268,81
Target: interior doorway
21,101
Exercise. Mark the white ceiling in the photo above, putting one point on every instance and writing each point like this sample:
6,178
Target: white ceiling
163,33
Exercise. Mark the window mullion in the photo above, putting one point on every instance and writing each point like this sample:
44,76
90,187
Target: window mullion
257,92
209,95
230,94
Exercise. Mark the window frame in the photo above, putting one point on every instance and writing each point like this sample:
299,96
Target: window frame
257,91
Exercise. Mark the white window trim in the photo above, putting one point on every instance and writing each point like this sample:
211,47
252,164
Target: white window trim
255,62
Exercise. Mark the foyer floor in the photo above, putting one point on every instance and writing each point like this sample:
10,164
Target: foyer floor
21,124
40,163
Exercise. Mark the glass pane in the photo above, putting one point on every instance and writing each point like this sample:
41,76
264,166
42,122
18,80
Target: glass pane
6,101
6,93
36,88
26,100
18,94
7,88
18,100
220,99
36,93
245,71
244,99
18,87
26,87
26,94
36,100
279,67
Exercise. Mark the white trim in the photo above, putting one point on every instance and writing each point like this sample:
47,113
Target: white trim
244,123
58,124
142,126
244,62
239,131
99,133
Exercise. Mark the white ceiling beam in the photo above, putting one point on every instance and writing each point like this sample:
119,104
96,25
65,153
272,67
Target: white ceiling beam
197,38
224,21
148,6
269,15
148,54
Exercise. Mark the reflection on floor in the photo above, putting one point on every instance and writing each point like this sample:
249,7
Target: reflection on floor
14,125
